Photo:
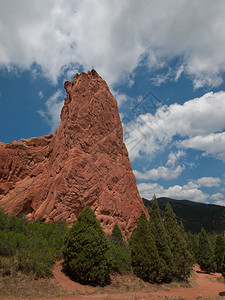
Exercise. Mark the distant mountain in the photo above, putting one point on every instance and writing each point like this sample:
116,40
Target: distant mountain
194,215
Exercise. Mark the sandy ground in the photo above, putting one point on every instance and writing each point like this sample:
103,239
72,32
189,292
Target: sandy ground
206,286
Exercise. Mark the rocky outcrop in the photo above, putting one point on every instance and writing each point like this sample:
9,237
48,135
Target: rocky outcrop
84,163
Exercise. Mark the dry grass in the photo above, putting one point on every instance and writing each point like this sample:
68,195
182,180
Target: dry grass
20,285
25,286
131,283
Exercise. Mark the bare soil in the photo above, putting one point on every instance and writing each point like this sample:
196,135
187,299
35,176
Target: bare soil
131,288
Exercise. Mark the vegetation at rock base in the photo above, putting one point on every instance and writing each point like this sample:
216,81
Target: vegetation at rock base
120,251
158,250
205,253
86,252
30,248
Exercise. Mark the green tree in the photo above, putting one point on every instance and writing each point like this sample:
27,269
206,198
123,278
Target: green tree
205,253
189,248
219,253
121,255
183,232
86,251
178,245
192,243
161,239
117,237
223,267
146,262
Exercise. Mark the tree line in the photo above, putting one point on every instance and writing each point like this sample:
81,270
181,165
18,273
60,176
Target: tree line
158,250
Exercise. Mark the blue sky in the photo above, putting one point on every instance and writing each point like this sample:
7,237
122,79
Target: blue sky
164,62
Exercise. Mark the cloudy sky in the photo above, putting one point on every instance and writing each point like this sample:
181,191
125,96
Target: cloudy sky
164,61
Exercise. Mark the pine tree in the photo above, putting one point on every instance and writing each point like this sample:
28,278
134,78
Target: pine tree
178,245
223,267
205,253
162,240
192,246
219,253
183,232
86,251
146,262
117,237
189,248
121,255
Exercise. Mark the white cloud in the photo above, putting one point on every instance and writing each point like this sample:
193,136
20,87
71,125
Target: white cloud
174,157
209,181
170,75
198,123
160,172
220,202
213,144
40,94
120,98
114,36
179,72
53,107
169,172
218,197
189,191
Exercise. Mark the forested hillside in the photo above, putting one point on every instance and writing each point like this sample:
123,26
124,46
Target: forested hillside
194,215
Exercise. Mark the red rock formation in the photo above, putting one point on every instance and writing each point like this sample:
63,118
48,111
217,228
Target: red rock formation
84,163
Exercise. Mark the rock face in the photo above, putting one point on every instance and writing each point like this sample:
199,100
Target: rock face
84,163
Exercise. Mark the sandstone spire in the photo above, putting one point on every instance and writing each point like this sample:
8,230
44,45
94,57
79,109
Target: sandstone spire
84,163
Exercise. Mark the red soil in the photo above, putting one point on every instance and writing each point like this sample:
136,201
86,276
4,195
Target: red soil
206,286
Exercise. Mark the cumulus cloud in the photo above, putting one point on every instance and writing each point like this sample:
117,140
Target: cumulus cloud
170,171
212,144
197,124
220,202
189,191
209,181
160,172
51,114
217,197
114,37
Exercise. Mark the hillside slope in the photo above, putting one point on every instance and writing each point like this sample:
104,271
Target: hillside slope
194,215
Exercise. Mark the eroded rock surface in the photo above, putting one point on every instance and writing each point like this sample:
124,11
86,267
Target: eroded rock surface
84,163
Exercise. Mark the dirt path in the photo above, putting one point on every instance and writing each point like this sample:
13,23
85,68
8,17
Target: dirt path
206,286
